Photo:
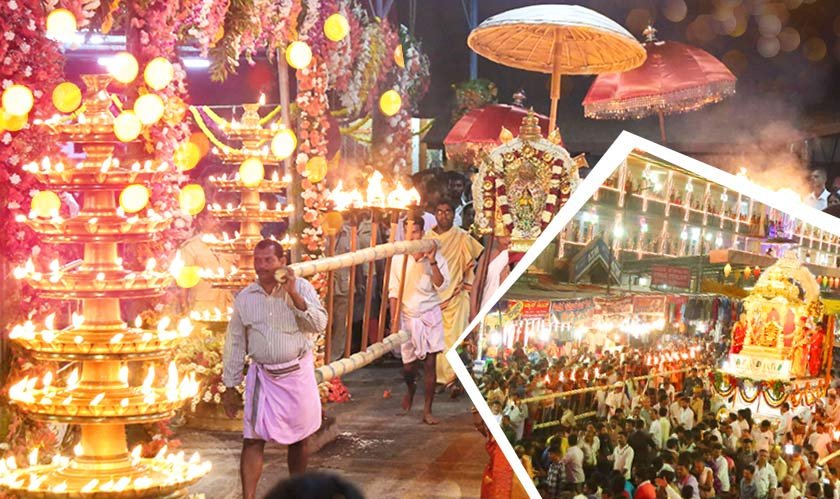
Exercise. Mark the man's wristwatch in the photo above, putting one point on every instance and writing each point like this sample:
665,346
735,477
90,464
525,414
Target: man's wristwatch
433,263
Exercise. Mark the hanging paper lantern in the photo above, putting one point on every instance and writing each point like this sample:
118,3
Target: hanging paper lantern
18,100
202,142
336,27
727,269
399,57
756,271
61,25
192,199
332,221
149,108
316,169
186,156
66,97
251,172
123,67
127,126
825,281
298,55
45,204
390,103
747,271
134,198
158,73
12,123
188,277
283,144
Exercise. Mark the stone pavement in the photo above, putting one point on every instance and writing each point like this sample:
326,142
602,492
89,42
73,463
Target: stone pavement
385,455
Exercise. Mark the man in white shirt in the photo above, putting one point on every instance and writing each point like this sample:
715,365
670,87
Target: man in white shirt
574,464
420,313
818,197
785,421
820,440
786,490
660,429
832,408
617,399
765,476
721,470
622,456
686,416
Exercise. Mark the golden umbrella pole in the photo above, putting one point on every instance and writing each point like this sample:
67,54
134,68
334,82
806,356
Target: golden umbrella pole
662,127
331,241
392,236
555,81
351,290
374,229
409,227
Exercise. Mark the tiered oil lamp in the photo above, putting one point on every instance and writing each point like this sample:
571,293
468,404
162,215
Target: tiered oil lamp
97,393
259,165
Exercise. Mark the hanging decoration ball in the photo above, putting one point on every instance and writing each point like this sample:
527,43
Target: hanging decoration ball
202,142
399,57
45,204
336,27
727,269
127,126
283,144
298,55
390,103
192,199
123,67
18,100
316,169
756,271
747,271
187,277
134,198
159,73
66,97
61,24
186,156
251,172
12,123
332,221
149,108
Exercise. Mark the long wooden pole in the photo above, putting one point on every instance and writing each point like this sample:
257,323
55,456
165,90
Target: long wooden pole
386,279
285,98
351,292
374,230
555,82
485,265
662,127
331,241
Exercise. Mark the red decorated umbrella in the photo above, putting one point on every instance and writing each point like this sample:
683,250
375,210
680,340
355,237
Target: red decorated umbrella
480,128
675,78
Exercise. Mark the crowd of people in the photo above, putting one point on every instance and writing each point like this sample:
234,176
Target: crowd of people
641,435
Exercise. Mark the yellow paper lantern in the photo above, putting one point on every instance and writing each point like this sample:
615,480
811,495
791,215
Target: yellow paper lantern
202,142
187,277
186,156
149,108
298,55
45,204
336,27
127,126
12,123
159,73
747,271
399,57
727,269
66,97
283,144
390,103
192,199
123,67
18,100
251,172
134,198
332,222
316,169
61,24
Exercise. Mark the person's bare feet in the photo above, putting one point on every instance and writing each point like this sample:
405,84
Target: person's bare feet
429,420
405,405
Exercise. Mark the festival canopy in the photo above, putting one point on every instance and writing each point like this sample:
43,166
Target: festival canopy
481,128
557,39
675,78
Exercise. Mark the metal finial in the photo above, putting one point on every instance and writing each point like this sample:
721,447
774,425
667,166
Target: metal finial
650,34
519,98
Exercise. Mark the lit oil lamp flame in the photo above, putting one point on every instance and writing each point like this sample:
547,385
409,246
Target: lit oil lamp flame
123,376
150,378
375,194
49,322
90,486
262,99
97,399
78,450
151,263
138,322
33,457
47,380
73,380
137,452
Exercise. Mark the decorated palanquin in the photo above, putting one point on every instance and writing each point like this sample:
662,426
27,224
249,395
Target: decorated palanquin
522,184
781,344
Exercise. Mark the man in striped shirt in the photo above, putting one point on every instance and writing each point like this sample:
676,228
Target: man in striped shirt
271,323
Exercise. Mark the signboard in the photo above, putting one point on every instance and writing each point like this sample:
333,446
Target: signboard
649,304
615,306
595,253
678,277
527,309
570,311
758,368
